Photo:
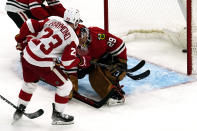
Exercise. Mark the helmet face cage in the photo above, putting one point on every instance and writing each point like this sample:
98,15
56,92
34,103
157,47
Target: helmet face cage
76,23
84,35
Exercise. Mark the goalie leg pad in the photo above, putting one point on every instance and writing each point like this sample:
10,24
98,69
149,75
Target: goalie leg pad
74,81
100,82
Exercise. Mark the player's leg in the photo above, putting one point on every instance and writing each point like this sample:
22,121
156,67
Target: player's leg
26,92
20,17
57,78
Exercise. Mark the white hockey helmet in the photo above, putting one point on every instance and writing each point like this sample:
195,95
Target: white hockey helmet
72,15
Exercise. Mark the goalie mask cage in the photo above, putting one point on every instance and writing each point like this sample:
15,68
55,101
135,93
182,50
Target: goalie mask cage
172,20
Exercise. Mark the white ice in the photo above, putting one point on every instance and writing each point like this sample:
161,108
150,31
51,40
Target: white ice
169,109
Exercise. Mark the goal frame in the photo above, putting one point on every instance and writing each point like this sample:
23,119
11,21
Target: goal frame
189,31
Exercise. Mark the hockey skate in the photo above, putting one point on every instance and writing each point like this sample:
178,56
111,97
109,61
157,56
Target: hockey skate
116,99
59,118
19,112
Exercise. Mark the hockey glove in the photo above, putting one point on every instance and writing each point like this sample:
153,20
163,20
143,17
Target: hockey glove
116,72
21,43
84,61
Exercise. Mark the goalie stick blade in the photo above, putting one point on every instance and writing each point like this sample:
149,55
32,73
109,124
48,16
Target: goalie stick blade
139,76
137,67
36,114
91,102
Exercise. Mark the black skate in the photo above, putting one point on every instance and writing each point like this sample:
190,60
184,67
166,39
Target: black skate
117,98
60,118
19,112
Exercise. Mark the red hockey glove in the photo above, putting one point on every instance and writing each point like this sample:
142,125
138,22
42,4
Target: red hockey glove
20,46
19,39
84,61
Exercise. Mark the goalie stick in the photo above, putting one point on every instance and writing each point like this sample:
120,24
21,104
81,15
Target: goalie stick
91,102
98,104
129,71
29,115
137,67
139,76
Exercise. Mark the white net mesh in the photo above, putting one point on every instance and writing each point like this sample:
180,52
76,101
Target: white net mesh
161,19
144,14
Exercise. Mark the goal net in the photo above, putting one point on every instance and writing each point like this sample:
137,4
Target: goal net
172,20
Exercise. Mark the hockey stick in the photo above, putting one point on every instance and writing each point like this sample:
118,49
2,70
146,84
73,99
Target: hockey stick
29,115
91,102
139,76
135,68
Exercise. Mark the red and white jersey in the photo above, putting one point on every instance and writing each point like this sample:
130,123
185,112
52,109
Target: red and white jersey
54,38
102,42
37,8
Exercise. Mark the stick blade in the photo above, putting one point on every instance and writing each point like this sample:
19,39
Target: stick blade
137,67
139,76
36,114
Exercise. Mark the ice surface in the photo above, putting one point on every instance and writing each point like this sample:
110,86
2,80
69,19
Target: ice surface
169,109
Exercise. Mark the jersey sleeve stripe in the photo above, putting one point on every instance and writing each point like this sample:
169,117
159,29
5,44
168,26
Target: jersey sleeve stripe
17,4
30,26
52,3
67,63
34,5
118,50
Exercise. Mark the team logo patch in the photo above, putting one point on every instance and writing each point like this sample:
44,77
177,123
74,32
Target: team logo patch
101,36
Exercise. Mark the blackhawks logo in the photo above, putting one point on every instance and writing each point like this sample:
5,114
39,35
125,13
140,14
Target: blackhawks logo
101,36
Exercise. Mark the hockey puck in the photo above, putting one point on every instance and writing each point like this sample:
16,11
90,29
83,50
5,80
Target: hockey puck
184,50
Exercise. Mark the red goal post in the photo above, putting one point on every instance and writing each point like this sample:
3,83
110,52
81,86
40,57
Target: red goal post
162,13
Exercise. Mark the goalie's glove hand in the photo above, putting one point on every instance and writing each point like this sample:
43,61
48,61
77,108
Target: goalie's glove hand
117,71
84,61
117,67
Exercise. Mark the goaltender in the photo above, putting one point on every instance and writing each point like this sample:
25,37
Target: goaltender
107,49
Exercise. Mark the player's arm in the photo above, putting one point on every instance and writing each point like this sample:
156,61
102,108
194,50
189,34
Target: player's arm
55,8
71,60
117,49
38,10
30,28
116,46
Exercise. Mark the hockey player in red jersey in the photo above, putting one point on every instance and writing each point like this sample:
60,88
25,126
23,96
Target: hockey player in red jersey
45,41
21,10
105,48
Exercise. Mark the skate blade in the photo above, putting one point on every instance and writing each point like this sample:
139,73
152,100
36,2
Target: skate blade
112,102
62,123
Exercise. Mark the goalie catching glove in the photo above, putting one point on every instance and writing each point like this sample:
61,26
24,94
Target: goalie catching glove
115,72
